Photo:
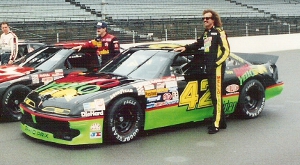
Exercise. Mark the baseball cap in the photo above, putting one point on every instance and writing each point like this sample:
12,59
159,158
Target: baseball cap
101,25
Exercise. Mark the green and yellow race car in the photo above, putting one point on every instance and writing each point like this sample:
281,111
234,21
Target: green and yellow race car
143,88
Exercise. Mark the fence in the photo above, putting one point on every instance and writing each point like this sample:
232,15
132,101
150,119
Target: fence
145,30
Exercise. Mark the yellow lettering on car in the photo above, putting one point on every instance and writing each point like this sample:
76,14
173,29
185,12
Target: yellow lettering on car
205,99
190,95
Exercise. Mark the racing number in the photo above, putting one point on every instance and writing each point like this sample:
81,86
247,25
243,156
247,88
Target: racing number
205,100
190,95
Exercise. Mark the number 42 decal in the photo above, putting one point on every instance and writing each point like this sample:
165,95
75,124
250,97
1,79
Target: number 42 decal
190,95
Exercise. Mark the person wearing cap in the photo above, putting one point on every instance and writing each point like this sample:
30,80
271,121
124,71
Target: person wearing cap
8,44
107,44
216,51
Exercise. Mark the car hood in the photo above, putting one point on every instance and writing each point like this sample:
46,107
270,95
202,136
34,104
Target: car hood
69,94
10,72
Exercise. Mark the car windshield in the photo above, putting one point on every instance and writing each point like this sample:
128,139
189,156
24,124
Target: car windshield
143,64
45,59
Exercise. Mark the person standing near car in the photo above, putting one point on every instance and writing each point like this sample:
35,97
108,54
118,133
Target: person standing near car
8,44
216,51
107,44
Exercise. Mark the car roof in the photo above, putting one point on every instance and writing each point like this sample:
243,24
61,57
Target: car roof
157,46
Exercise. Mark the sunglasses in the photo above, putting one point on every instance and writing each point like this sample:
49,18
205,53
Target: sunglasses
206,18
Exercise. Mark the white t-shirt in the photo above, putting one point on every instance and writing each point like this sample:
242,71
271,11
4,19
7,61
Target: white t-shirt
8,44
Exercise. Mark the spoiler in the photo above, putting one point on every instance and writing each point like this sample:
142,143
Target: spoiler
258,58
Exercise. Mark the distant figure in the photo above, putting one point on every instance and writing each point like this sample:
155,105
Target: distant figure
107,44
8,44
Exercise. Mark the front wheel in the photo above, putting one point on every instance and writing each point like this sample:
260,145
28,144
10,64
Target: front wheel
11,101
123,120
251,100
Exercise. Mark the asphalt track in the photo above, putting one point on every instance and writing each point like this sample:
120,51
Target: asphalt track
272,138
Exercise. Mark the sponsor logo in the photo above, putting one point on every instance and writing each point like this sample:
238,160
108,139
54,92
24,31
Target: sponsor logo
95,135
122,91
232,88
92,113
36,132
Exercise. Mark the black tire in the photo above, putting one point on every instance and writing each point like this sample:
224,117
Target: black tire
124,120
11,101
251,100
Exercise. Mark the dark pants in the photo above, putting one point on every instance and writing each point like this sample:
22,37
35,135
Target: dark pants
5,58
215,85
105,58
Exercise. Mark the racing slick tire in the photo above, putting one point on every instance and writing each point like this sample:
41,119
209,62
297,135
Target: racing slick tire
251,100
11,101
124,120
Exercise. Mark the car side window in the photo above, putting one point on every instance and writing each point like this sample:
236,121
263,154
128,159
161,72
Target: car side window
178,63
22,50
83,61
232,63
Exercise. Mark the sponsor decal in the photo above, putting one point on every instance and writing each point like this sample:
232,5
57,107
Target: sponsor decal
162,90
150,105
218,86
154,99
95,127
149,87
122,91
95,135
56,110
95,131
92,113
229,106
99,104
167,96
80,88
175,95
160,85
170,84
150,93
247,71
35,79
46,80
47,77
36,132
95,108
180,78
233,88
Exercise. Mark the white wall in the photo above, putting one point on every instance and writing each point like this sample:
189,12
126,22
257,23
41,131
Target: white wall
253,44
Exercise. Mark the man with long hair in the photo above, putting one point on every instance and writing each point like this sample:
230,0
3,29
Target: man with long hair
216,50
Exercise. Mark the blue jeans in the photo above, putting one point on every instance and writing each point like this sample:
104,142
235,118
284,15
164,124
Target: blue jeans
5,58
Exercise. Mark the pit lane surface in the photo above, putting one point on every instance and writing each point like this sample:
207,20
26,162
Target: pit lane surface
272,138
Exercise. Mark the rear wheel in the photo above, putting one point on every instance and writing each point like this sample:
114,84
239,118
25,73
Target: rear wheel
124,120
11,101
251,100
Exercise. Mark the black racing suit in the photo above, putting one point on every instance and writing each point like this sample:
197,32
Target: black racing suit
216,51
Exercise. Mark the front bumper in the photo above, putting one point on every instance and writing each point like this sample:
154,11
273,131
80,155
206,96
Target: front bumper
68,131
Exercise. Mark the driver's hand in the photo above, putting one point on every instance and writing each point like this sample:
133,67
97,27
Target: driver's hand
180,49
77,48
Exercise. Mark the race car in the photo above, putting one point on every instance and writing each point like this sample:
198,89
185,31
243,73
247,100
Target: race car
143,88
41,66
